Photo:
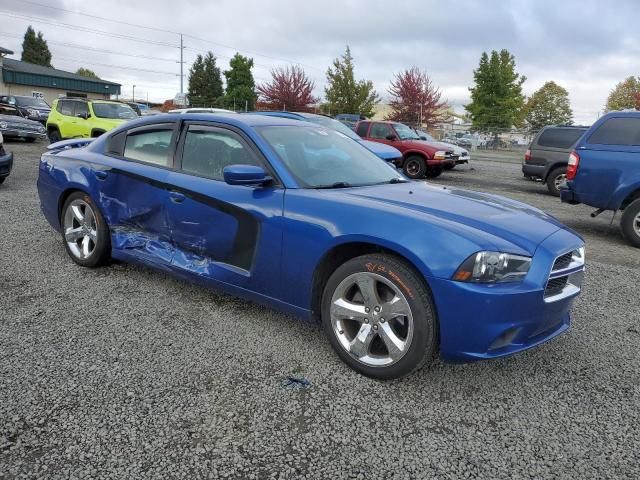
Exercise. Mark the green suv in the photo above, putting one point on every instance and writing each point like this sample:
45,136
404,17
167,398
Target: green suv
79,117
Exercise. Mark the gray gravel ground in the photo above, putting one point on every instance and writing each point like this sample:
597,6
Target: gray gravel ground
123,372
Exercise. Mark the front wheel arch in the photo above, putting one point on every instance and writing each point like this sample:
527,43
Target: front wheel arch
342,253
96,132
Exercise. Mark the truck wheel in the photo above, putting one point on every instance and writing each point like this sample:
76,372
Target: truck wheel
54,136
379,317
556,179
415,167
433,172
630,223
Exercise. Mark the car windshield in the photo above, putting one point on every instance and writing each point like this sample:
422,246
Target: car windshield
31,102
324,158
404,132
335,125
114,110
426,136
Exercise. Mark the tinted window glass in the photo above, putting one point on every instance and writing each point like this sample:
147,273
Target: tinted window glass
362,129
65,107
149,146
380,130
560,137
81,109
114,110
617,131
207,151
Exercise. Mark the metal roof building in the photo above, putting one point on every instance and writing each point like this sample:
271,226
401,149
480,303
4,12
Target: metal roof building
22,78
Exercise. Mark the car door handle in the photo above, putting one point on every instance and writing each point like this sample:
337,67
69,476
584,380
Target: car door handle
101,174
176,197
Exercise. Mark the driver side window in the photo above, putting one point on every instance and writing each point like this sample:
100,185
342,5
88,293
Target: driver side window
207,150
380,130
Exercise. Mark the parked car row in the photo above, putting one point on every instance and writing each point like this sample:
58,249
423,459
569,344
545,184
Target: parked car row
15,126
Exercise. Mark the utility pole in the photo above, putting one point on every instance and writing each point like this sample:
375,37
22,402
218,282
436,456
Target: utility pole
181,65
133,95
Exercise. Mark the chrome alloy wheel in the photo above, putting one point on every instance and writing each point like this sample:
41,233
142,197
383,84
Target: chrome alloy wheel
560,181
80,230
371,319
636,224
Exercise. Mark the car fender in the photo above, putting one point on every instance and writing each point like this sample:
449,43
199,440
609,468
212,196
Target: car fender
630,186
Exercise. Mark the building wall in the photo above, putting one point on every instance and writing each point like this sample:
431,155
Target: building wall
49,94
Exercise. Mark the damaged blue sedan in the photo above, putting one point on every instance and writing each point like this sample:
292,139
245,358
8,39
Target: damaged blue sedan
305,220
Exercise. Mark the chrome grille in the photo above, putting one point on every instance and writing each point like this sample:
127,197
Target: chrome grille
566,276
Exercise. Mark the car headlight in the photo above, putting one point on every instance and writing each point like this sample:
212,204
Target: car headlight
493,267
3,125
41,129
440,155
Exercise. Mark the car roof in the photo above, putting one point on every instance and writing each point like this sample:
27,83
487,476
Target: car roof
244,120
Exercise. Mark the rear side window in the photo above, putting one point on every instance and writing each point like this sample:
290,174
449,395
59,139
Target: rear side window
617,131
150,146
81,109
362,129
563,138
65,107
380,130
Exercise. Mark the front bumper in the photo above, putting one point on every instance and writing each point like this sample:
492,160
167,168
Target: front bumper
482,321
462,159
20,133
6,163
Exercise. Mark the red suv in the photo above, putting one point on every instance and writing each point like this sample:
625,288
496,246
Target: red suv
419,158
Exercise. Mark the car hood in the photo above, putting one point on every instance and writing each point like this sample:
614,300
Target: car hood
14,121
430,147
492,217
383,151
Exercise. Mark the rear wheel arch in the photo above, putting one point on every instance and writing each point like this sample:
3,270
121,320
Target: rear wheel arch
342,253
63,199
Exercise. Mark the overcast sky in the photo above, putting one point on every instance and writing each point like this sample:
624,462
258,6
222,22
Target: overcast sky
585,46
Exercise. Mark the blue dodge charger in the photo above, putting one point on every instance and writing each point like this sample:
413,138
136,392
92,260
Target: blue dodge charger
303,219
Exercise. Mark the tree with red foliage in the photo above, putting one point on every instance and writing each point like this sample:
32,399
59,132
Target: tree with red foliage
637,97
415,100
167,105
289,89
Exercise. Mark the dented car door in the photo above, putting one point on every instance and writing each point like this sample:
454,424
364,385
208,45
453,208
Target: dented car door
226,233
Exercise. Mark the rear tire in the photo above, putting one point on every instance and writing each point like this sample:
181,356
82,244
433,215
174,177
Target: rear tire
414,167
356,300
556,179
54,136
630,223
85,234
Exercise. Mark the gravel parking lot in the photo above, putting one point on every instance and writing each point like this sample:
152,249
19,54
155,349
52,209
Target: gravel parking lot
123,372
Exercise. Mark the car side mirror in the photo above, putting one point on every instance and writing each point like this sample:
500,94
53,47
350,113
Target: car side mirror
391,137
245,175
84,116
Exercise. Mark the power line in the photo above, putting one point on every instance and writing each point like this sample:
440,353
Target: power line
100,50
88,30
116,66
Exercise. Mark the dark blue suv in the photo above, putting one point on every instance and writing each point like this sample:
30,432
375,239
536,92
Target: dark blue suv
604,170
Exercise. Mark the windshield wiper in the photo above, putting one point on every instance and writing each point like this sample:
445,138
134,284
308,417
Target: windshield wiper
334,185
392,181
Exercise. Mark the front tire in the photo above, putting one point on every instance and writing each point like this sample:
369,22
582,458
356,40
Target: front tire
415,167
378,315
630,223
556,179
84,232
434,172
54,136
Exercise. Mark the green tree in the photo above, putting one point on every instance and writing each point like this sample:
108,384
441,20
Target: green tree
346,95
549,105
241,87
497,101
205,81
85,72
623,96
35,48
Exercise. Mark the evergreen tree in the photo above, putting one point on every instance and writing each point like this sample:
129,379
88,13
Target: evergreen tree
623,96
35,48
497,101
205,81
549,105
240,84
346,95
85,72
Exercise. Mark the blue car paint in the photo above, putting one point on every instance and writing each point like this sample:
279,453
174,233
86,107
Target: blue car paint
385,152
288,230
607,174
